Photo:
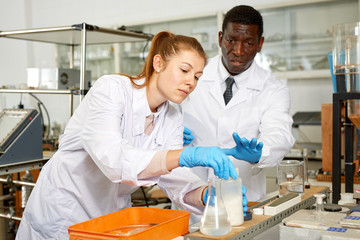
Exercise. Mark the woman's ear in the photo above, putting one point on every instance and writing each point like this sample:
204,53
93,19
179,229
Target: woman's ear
157,62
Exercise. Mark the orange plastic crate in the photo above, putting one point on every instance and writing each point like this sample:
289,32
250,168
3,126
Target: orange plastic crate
133,223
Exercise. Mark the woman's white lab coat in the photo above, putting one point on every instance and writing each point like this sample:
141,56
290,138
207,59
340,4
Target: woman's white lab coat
260,109
101,152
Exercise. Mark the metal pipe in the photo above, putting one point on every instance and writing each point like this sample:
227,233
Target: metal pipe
18,182
10,217
37,91
83,60
72,50
7,197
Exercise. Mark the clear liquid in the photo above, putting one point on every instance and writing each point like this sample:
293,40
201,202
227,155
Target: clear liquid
215,223
291,187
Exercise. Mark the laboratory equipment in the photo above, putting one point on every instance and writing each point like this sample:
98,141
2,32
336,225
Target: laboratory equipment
133,223
215,221
347,199
56,78
282,203
290,176
26,190
346,108
20,135
319,206
231,191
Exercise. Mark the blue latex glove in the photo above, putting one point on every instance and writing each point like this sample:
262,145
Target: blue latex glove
245,150
187,137
212,157
213,192
244,200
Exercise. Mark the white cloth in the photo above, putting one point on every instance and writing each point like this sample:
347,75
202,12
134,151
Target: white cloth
101,153
259,108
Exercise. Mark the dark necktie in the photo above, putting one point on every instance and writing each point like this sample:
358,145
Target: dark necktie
228,92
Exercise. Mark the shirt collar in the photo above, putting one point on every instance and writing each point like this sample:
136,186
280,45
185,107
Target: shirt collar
139,102
240,79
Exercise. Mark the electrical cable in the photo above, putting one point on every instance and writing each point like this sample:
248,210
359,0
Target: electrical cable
146,44
21,106
40,103
149,35
145,198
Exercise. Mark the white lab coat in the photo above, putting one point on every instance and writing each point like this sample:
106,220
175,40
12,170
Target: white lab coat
87,178
260,109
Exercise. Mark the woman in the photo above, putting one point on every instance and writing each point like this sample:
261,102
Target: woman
116,141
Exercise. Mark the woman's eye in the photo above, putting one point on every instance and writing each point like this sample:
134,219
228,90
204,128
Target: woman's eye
184,70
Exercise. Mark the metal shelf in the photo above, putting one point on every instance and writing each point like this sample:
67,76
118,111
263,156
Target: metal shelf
76,35
71,35
37,91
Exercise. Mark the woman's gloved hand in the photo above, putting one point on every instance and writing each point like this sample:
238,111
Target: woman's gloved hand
244,198
212,157
187,137
246,150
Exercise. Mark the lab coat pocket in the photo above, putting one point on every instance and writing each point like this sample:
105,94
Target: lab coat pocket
54,208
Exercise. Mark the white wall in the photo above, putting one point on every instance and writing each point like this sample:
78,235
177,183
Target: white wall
17,55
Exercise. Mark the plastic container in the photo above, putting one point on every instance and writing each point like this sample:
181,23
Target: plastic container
133,223
347,199
231,191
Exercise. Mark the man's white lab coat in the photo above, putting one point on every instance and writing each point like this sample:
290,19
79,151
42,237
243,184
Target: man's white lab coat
260,109
101,152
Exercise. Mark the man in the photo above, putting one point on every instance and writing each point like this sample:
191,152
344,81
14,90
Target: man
258,108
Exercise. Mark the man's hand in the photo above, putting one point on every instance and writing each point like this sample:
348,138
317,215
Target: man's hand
187,137
246,150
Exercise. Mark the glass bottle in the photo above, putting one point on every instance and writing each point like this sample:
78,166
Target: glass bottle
214,221
319,206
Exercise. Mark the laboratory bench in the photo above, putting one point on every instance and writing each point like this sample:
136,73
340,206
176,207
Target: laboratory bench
253,228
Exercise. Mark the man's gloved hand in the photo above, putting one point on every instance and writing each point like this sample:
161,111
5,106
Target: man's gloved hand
187,137
212,157
244,198
245,150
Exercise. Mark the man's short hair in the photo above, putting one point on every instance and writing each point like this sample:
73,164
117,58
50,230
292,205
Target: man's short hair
246,15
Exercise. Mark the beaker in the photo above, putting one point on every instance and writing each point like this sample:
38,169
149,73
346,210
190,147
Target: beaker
290,177
215,221
231,191
346,56
346,64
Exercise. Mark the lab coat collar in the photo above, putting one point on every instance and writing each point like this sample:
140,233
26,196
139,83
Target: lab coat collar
141,110
247,81
250,78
